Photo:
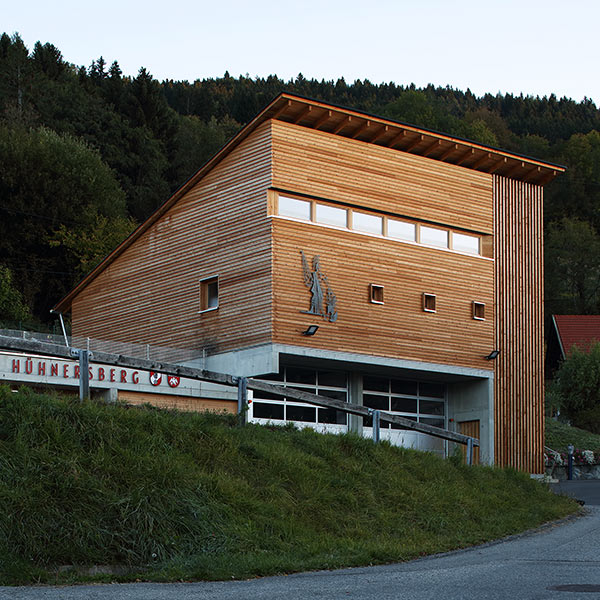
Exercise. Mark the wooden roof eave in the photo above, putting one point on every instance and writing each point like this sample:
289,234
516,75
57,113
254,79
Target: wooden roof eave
367,128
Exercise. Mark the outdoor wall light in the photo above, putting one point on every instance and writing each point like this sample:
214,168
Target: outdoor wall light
492,355
312,329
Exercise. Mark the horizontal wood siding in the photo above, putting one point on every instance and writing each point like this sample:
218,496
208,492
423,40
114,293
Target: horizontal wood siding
328,166
150,294
398,328
519,379
184,403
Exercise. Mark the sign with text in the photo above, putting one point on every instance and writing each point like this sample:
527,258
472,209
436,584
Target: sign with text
44,370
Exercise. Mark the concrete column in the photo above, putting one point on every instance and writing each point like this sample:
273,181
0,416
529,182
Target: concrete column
474,401
355,396
109,395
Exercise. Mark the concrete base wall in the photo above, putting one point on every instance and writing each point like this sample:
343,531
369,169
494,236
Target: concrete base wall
474,401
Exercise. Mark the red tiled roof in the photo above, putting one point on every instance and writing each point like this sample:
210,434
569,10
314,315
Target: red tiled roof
582,331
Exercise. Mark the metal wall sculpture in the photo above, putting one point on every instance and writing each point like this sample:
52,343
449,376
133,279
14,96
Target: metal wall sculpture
323,301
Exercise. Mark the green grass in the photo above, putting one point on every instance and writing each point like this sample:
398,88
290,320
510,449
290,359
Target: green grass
176,496
559,436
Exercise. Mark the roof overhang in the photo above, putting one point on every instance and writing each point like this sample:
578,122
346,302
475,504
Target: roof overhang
404,137
357,125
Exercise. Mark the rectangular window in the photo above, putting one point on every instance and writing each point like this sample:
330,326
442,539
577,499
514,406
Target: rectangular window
479,311
432,390
209,293
332,379
292,207
376,384
264,410
429,407
465,243
404,405
429,302
414,400
376,401
376,293
433,237
331,215
367,223
401,230
308,414
331,384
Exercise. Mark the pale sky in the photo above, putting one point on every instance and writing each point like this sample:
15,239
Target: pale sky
536,47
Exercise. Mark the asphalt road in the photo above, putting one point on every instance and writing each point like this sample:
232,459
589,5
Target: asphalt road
587,490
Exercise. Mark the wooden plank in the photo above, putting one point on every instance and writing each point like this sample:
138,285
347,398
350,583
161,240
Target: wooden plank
380,132
303,113
471,429
451,148
183,403
322,119
360,129
401,135
345,121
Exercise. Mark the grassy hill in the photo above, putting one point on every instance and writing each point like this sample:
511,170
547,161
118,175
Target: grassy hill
176,496
559,436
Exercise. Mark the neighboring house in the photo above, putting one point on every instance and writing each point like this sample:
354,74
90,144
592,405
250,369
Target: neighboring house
416,254
567,332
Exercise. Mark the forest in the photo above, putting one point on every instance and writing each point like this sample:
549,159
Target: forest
88,153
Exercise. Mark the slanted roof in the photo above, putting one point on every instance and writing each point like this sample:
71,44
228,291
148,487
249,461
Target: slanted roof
353,124
582,331
388,133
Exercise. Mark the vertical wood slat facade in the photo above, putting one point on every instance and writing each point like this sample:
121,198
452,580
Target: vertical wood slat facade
519,374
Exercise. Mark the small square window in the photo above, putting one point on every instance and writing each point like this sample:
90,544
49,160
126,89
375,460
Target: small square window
209,293
376,293
429,302
479,311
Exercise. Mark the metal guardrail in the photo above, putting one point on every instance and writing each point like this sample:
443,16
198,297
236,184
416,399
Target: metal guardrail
242,383
147,351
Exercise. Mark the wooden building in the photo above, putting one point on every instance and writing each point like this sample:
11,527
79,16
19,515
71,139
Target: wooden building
415,254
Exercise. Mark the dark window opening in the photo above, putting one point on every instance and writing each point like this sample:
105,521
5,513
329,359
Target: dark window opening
429,304
376,293
479,311
209,293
